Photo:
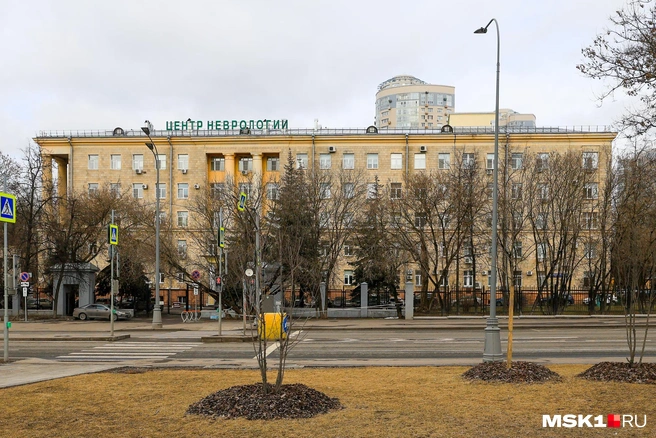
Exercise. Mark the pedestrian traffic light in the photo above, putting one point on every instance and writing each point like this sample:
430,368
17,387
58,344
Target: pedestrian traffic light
218,281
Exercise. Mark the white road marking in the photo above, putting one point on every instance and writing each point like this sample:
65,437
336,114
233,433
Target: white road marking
275,346
130,350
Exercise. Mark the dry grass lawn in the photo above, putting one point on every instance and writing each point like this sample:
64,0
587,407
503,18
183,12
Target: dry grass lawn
379,402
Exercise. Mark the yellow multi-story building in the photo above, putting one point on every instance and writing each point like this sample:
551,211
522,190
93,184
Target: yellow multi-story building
196,157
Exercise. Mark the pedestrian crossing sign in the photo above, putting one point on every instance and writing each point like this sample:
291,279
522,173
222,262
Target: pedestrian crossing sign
242,201
113,234
7,208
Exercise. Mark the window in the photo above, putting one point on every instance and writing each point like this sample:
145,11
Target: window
421,192
324,219
420,220
245,164
489,163
182,248
516,160
162,217
490,190
590,220
543,192
301,161
417,278
541,278
468,160
348,161
542,161
217,189
588,278
541,251
115,189
348,250
161,158
348,277
245,188
324,161
183,190
183,219
395,190
183,161
590,251
372,191
324,191
444,279
93,188
420,161
161,191
372,161
516,190
541,221
137,190
161,278
273,164
517,279
397,161
218,164
518,220
348,220
349,190
443,161
93,162
468,278
272,191
591,191
137,162
590,160
517,249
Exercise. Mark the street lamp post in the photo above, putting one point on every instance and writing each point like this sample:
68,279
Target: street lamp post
492,350
157,311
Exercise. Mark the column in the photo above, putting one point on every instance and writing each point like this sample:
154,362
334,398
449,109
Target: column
257,165
409,300
229,167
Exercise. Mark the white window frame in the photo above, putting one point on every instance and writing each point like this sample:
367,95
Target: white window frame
468,160
182,248
349,190
542,161
348,161
217,162
183,161
372,190
349,280
94,162
245,164
161,158
468,278
590,160
541,251
372,161
325,161
182,219
396,161
272,191
444,161
516,160
489,162
93,188
324,191
137,161
396,190
302,161
183,190
115,161
160,191
420,161
115,189
591,191
273,164
137,190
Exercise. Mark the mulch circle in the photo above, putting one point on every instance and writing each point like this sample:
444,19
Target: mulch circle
621,372
520,372
250,402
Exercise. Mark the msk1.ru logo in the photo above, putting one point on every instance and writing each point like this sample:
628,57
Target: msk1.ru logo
612,420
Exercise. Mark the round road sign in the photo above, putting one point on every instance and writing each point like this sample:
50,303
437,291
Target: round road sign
24,276
195,274
249,272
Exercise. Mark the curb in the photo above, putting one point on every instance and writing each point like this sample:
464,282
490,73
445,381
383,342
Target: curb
223,338
73,338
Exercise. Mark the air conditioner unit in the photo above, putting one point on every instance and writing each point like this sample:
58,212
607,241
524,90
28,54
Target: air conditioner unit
489,171
422,148
197,186
477,285
332,149
138,171
529,273
184,171
484,273
468,260
245,172
144,186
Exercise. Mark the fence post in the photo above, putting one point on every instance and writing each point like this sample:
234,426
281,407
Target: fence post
409,300
364,300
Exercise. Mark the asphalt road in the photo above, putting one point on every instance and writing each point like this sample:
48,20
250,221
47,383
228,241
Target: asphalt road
345,347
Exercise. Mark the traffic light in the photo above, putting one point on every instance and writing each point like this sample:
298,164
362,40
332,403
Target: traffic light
218,281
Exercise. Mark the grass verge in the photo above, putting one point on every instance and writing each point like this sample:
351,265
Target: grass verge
378,402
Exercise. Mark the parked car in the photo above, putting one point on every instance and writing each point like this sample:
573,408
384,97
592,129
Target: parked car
467,301
565,300
97,311
42,303
610,299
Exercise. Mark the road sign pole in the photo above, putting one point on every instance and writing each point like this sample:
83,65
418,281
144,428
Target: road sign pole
6,296
111,279
220,286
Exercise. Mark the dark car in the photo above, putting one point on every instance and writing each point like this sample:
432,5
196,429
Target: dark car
42,303
564,300
467,301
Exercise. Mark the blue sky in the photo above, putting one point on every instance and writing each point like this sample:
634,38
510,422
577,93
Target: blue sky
71,65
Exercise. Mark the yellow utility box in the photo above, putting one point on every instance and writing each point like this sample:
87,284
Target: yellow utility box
273,326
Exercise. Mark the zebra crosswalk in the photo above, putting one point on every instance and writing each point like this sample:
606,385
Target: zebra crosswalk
126,351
